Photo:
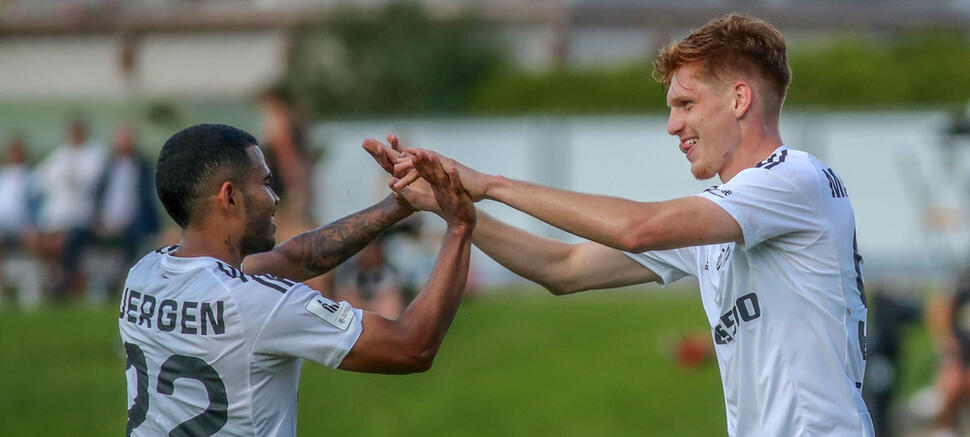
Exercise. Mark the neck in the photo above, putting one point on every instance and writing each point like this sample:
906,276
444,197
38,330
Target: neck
216,243
752,149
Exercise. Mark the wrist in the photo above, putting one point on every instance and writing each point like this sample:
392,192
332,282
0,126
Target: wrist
493,185
461,229
400,205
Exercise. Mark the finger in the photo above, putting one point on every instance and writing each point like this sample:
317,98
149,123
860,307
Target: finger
456,181
403,167
405,181
439,170
394,141
379,152
413,151
430,167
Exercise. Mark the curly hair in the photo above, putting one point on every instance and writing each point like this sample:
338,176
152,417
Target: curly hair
732,44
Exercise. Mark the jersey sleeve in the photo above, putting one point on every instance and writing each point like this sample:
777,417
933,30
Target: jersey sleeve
766,204
669,265
307,325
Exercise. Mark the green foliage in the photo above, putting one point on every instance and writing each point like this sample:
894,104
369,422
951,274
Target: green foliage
907,71
399,61
915,70
623,89
396,60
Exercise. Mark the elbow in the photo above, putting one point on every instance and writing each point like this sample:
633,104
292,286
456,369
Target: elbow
645,236
559,289
418,355
420,361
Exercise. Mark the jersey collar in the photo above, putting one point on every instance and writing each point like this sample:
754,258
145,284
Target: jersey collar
178,264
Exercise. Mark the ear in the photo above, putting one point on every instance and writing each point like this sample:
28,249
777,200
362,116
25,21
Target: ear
742,95
229,198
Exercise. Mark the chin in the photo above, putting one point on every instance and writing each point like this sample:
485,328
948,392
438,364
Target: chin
701,173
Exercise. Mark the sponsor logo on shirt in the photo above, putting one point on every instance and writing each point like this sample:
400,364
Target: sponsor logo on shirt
746,309
339,315
719,192
721,259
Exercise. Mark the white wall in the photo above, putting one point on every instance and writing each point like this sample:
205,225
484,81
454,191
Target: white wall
890,162
188,64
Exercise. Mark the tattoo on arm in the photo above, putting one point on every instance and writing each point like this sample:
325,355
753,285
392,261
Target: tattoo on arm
322,249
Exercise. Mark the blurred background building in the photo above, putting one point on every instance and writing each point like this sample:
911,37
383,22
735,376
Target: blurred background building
161,65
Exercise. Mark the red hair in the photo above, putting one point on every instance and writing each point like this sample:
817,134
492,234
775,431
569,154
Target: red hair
732,44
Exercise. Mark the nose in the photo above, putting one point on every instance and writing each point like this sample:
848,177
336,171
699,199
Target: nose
675,123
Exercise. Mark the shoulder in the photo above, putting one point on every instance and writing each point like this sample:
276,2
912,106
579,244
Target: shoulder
239,282
785,169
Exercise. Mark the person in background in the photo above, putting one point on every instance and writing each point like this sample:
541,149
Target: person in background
16,222
125,216
284,147
949,322
14,192
67,179
369,281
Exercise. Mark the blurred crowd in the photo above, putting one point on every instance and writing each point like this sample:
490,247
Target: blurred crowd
62,215
74,220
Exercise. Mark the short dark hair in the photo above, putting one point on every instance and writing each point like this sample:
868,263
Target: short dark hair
189,161
732,43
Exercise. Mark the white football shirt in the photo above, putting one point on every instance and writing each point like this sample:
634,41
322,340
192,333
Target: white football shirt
786,308
211,351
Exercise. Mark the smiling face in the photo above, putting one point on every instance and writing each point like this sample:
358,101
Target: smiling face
702,116
260,231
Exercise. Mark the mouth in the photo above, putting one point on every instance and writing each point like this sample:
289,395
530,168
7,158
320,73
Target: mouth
686,145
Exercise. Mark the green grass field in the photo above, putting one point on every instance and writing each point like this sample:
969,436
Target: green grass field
514,363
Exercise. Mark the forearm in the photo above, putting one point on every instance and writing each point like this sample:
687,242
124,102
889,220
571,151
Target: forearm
316,252
603,219
426,320
538,259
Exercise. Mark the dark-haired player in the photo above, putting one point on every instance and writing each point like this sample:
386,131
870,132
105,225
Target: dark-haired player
215,327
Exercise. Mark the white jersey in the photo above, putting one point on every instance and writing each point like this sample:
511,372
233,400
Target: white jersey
212,351
786,308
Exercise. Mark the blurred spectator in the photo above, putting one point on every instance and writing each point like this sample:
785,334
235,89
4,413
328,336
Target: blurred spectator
893,310
125,216
410,249
367,281
14,189
951,322
66,182
15,223
285,151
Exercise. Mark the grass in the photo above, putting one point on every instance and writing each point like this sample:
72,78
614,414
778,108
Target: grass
514,363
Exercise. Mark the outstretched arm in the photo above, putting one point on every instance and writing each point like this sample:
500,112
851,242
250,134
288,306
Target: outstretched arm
410,343
559,267
621,223
618,223
316,252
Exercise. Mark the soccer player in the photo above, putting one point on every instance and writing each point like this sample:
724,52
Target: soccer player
215,327
773,247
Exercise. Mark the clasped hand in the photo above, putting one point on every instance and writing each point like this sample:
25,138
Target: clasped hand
427,180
